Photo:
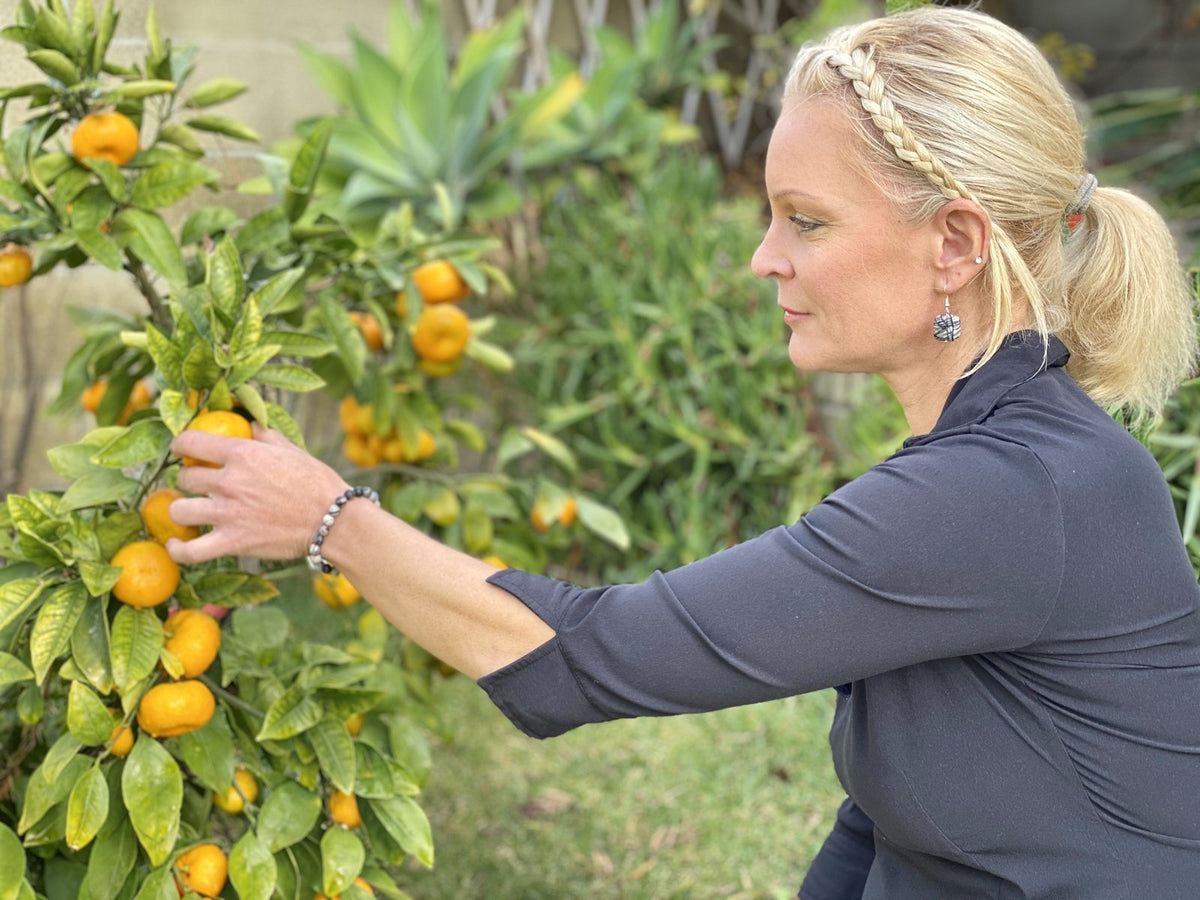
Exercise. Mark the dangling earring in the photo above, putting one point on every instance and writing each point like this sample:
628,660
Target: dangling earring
947,326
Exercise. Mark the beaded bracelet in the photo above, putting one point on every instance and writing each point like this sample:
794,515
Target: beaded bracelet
316,561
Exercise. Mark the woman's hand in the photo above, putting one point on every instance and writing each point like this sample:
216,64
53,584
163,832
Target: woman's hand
266,499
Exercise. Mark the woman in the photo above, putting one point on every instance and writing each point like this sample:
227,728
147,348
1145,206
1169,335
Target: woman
1005,605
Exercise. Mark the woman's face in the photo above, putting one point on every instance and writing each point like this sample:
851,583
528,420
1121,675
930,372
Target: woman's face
857,285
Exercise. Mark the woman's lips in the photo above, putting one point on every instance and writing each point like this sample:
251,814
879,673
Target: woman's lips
792,316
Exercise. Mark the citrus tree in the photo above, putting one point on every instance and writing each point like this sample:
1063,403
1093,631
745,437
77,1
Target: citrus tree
169,731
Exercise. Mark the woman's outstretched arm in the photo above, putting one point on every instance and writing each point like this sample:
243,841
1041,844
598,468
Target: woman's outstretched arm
265,498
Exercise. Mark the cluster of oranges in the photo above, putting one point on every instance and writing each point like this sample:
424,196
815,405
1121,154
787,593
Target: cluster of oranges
366,447
140,398
442,330
149,577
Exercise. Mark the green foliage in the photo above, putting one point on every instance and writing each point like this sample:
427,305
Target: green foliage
662,361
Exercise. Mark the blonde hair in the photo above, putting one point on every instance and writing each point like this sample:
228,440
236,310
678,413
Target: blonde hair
952,103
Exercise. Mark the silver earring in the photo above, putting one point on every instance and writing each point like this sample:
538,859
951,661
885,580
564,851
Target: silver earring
979,260
947,326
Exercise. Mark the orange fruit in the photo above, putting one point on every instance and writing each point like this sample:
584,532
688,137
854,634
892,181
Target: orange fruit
121,740
175,707
156,516
566,516
343,809
193,398
105,135
16,265
243,790
397,450
149,575
401,305
356,449
348,414
369,327
92,395
439,369
441,333
139,398
354,724
193,637
335,591
203,869
218,421
439,282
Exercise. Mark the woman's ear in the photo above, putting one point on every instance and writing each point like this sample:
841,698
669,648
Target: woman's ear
964,238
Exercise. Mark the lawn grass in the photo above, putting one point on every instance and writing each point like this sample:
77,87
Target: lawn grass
728,805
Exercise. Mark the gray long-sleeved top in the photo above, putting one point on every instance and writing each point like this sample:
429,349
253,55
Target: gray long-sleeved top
1013,625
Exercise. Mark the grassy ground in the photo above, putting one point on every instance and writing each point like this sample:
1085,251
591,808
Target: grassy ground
725,805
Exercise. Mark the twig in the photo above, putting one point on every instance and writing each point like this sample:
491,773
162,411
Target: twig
232,699
158,311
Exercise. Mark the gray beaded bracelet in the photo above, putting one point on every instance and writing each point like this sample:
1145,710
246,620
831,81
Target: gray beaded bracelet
316,561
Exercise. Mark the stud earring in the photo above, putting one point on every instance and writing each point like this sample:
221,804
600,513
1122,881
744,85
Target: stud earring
979,260
947,326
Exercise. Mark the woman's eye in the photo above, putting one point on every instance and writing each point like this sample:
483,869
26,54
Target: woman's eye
804,224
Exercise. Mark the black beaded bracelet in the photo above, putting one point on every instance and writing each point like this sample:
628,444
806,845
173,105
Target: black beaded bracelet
316,561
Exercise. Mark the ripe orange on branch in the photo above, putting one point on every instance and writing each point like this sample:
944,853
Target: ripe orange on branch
243,790
439,282
16,265
156,516
203,869
105,135
220,422
193,637
369,327
343,809
441,333
148,577
174,708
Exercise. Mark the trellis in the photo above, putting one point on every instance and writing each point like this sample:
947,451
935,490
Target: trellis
730,121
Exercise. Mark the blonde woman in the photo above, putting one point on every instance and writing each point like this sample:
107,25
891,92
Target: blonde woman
1005,605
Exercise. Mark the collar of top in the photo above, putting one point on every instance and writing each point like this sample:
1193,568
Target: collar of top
1022,355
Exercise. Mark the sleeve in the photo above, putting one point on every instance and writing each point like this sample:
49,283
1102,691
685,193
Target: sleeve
949,548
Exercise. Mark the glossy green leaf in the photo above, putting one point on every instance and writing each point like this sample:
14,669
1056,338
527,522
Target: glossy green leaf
98,577
55,64
225,279
88,720
87,808
226,126
12,864
152,786
169,182
90,647
208,752
99,488
53,626
42,795
215,91
60,753
145,440
293,713
152,241
335,751
111,860
287,815
252,868
99,246
603,522
143,87
159,885
12,670
408,825
137,638
307,165
17,597
342,858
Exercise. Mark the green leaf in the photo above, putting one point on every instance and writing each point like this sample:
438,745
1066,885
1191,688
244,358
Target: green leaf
55,64
111,860
342,858
87,808
159,885
200,370
111,177
168,357
99,247
252,868
215,91
287,815
293,713
16,597
552,447
53,626
298,343
490,355
88,720
12,864
307,165
206,222
12,670
151,240
225,278
59,755
143,87
289,377
408,825
208,752
241,589
281,420
97,577
90,649
253,401
152,786
603,522
169,182
350,348
99,488
272,297
182,137
228,127
137,638
145,440
42,795
335,752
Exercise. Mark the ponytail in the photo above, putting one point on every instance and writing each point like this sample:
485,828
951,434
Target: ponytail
1131,325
